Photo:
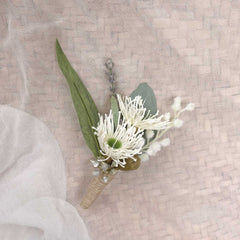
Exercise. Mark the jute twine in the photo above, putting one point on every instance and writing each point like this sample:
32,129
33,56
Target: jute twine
95,187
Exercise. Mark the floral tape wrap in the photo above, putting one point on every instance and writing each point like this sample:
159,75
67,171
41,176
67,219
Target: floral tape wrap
95,187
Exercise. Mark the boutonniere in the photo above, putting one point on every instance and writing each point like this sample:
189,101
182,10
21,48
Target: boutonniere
127,135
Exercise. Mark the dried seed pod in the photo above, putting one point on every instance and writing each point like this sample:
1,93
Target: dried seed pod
131,164
109,63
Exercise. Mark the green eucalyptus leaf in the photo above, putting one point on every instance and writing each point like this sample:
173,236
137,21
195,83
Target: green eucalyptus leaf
147,94
115,110
85,107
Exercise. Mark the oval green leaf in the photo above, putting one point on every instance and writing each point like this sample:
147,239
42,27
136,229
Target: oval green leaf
148,96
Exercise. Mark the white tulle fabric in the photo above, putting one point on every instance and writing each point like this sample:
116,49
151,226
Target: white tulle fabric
32,183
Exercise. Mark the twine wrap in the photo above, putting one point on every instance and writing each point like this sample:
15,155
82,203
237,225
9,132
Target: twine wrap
95,187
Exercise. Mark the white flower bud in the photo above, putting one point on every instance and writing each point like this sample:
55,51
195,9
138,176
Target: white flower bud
176,104
144,157
178,123
105,179
149,134
150,152
167,116
165,142
109,63
95,163
177,100
190,107
154,148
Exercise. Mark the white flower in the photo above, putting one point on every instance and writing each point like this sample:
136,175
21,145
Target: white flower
165,142
177,104
154,148
121,143
149,134
190,107
177,123
137,115
144,157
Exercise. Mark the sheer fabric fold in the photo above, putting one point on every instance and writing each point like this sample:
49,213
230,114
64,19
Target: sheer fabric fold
33,182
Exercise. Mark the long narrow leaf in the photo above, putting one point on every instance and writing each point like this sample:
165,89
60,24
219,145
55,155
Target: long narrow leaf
85,107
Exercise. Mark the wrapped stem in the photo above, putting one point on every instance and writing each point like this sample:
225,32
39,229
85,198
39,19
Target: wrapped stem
95,187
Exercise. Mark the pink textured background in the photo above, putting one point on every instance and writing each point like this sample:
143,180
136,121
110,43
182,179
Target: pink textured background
191,190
